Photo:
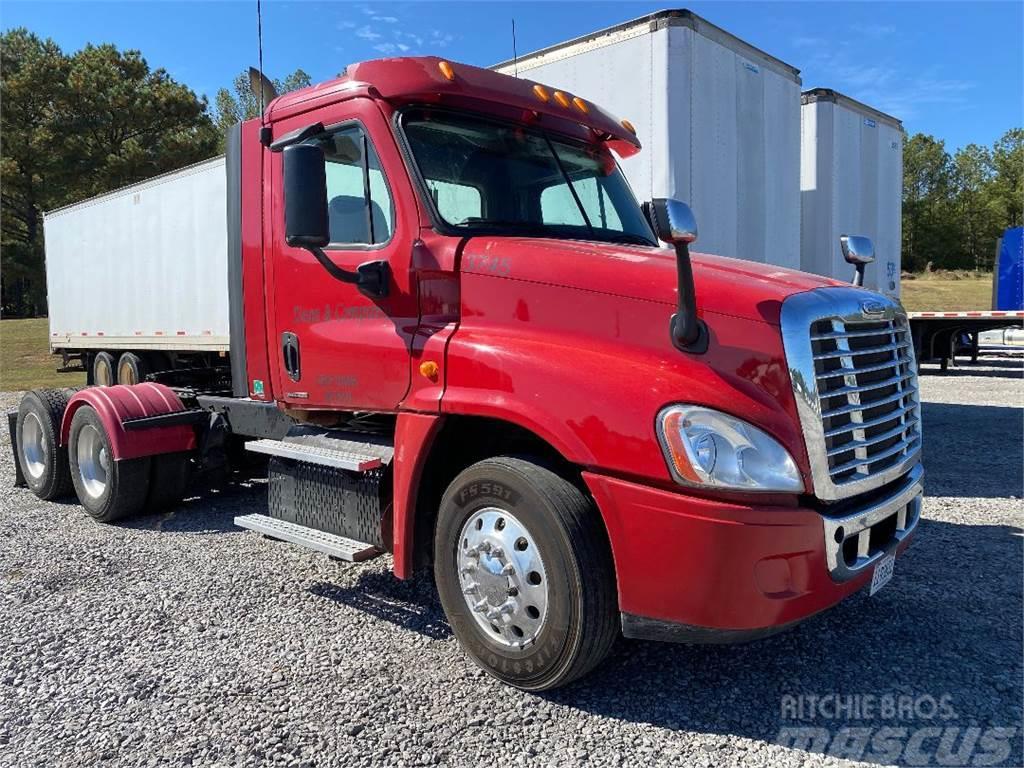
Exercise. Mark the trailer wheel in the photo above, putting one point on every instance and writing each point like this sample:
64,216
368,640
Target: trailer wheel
525,573
109,490
43,461
103,370
131,369
168,481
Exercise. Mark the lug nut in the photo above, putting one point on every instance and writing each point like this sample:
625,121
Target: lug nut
508,570
479,606
470,588
512,591
498,553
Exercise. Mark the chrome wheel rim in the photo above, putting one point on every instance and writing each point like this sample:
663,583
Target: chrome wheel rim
502,577
33,446
93,461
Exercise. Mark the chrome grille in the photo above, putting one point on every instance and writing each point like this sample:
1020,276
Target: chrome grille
867,393
851,362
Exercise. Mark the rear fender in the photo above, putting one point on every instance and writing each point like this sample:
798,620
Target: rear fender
115,405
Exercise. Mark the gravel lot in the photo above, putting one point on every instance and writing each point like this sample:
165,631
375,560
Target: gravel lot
180,639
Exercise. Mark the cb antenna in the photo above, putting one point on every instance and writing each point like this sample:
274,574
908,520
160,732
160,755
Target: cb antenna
262,88
515,58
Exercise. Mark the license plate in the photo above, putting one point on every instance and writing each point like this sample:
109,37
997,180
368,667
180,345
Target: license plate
883,573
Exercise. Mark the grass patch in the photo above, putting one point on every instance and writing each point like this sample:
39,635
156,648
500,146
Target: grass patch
25,359
947,292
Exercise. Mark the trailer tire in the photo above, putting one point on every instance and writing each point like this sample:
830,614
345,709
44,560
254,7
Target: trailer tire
103,374
43,460
509,518
131,369
168,481
109,490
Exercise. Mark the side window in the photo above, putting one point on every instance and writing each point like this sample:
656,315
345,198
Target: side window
457,203
557,205
359,206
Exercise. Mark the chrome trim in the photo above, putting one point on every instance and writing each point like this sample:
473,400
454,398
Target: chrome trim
905,502
845,305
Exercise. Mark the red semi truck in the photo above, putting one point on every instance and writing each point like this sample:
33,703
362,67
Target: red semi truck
455,335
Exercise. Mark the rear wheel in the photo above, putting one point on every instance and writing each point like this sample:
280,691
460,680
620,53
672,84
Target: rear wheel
103,370
131,369
109,490
44,462
525,574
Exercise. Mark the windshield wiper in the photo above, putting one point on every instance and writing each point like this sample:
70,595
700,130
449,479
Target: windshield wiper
625,237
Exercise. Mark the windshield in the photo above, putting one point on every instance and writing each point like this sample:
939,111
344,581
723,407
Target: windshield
504,178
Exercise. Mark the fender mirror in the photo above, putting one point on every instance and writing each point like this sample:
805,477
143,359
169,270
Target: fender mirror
860,252
675,224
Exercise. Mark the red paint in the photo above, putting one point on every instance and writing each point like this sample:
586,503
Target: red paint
117,404
712,564
414,434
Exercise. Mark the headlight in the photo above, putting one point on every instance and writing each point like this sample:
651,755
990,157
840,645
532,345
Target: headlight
710,448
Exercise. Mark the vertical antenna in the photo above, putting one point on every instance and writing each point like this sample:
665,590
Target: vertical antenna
515,57
259,40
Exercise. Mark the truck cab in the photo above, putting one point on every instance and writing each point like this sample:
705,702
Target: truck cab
462,340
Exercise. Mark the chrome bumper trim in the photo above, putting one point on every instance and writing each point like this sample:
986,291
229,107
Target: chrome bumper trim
905,502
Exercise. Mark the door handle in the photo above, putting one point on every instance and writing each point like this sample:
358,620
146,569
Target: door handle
290,355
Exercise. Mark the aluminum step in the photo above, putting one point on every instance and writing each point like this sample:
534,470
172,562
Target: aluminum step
316,454
328,543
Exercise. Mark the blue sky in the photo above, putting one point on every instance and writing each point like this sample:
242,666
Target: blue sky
952,69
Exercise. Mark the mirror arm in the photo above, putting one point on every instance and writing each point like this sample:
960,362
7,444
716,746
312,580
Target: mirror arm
687,331
371,278
858,275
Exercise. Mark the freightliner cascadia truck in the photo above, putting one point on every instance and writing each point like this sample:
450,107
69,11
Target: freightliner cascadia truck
454,334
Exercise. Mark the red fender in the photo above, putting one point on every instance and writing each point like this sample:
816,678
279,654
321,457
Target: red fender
115,405
414,434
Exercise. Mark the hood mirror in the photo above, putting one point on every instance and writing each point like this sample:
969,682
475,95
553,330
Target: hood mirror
860,252
674,223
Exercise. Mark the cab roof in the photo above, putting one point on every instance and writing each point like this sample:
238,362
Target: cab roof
425,80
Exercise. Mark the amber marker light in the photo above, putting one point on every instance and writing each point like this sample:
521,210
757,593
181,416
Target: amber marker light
581,105
429,369
562,99
629,127
446,70
541,92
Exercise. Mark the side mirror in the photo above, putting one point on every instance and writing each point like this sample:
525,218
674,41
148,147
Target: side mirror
858,251
673,221
305,197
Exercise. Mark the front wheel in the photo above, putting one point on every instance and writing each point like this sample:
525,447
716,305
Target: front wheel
525,574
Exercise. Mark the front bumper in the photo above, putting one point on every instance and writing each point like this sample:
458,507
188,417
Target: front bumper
695,570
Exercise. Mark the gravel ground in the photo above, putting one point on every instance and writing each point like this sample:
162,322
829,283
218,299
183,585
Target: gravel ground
180,639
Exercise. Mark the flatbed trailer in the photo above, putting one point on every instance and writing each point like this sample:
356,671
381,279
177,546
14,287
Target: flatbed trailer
940,336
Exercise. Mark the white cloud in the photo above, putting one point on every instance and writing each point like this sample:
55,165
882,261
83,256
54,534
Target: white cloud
367,33
385,19
390,49
346,24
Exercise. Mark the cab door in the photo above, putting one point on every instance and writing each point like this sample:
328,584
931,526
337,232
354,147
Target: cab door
338,348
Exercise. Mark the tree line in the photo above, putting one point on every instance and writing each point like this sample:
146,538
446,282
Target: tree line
77,125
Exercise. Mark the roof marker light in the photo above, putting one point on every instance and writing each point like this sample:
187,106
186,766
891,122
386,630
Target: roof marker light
446,70
581,105
562,99
540,92
629,127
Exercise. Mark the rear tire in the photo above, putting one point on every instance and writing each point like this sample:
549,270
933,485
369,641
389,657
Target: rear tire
43,461
103,370
525,573
109,490
131,369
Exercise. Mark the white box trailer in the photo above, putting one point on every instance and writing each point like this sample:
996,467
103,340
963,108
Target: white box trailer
851,182
143,267
718,120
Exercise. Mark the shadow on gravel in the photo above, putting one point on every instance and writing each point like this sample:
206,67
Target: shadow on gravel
1004,368
973,451
206,510
409,604
948,625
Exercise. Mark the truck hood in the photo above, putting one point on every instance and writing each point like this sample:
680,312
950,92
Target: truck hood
724,286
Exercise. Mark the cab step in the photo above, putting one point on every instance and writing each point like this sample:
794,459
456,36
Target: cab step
328,543
345,455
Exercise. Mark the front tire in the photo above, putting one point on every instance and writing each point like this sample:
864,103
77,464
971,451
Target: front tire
109,490
525,574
